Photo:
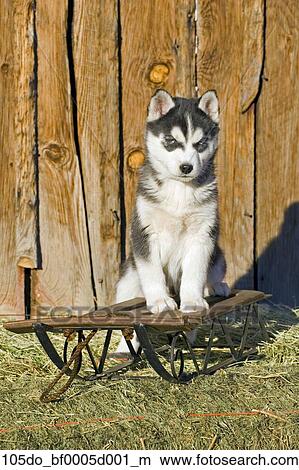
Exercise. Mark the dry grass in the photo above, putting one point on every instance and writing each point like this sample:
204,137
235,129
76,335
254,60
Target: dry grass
269,384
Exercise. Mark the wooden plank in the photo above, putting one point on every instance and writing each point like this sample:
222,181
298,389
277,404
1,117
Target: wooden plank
253,20
114,317
11,277
158,53
65,278
95,45
277,157
228,45
26,181
239,299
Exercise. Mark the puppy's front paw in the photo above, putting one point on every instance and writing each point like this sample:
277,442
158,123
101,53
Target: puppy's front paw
221,289
194,305
162,305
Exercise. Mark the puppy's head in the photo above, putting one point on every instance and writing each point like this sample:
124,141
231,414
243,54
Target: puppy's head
181,134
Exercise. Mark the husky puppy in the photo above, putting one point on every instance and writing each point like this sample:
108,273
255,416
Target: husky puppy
175,227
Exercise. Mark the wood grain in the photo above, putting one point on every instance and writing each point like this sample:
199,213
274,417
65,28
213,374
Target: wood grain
11,277
26,181
259,126
225,64
278,162
253,20
65,278
158,52
95,45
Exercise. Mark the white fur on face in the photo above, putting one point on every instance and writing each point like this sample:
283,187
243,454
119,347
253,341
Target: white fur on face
167,164
178,135
196,135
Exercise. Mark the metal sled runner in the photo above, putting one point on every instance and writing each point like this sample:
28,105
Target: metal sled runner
168,359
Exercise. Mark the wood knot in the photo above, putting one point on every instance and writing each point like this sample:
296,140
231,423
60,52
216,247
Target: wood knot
56,153
31,203
159,74
135,160
26,262
4,67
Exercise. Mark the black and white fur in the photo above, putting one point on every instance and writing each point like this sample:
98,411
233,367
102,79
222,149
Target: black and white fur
174,230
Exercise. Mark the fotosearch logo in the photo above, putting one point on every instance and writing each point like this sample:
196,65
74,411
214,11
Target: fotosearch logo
80,312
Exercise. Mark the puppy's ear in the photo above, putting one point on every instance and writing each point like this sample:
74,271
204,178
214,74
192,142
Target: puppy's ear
159,105
208,103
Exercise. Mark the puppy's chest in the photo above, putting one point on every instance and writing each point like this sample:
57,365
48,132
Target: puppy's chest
177,220
177,199
172,233
167,226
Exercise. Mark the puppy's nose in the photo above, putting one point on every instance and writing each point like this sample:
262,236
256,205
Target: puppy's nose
186,168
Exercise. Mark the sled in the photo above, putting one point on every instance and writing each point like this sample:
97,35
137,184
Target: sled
170,359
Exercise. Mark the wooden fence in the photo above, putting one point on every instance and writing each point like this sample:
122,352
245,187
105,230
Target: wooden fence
75,80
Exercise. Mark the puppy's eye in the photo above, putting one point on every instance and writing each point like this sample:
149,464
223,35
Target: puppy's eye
201,145
168,139
170,143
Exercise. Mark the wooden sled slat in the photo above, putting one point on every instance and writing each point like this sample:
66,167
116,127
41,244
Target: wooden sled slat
132,312
238,298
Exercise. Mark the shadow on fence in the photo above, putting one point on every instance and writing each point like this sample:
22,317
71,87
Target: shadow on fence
276,270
